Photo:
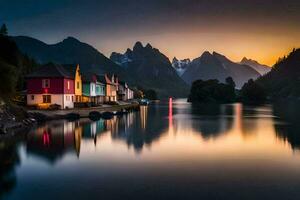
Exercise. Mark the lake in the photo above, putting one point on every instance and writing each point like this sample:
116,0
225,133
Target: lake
168,150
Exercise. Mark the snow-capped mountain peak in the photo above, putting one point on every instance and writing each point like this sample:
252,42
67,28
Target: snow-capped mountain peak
180,65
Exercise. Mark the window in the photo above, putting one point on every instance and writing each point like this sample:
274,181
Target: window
72,99
68,85
67,98
78,86
46,98
46,83
32,97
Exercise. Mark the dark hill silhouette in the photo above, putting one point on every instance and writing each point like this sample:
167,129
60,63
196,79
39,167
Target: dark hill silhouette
283,81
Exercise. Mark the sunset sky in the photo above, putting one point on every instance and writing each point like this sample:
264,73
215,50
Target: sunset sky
259,29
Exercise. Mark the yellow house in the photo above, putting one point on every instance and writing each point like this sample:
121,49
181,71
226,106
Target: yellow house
78,85
75,71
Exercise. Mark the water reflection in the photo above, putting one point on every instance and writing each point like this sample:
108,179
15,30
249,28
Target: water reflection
53,140
173,145
9,160
288,127
214,120
141,129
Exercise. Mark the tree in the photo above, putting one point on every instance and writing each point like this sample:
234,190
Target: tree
151,94
7,76
229,81
212,91
3,30
252,92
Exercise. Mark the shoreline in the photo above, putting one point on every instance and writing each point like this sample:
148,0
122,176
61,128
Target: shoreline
40,116
83,112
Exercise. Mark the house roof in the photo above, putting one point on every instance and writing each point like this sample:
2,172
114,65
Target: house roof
51,71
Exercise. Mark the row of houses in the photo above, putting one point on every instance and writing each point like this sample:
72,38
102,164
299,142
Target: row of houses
66,86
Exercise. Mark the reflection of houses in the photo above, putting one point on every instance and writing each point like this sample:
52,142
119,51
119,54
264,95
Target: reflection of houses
54,140
51,84
93,128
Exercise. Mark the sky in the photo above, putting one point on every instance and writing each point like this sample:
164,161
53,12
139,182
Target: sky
263,30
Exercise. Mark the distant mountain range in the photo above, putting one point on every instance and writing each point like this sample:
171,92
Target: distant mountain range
180,65
262,69
144,66
151,69
217,66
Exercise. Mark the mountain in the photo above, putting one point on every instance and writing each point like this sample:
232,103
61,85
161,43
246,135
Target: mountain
152,70
216,66
262,69
121,59
180,65
283,80
69,51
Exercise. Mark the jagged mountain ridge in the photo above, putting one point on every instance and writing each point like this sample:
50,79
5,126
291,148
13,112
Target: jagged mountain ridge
262,69
152,69
217,66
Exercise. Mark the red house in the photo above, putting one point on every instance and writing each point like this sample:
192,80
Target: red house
51,84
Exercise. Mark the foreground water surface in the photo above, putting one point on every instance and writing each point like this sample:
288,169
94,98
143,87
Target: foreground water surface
169,150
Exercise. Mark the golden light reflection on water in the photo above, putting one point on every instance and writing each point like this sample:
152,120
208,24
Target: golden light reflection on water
176,134
165,147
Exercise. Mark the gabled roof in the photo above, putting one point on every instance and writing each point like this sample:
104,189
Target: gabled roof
51,71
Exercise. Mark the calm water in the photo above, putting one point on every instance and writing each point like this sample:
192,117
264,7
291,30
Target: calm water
164,151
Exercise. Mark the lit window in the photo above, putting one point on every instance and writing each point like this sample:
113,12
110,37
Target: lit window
46,98
46,83
68,85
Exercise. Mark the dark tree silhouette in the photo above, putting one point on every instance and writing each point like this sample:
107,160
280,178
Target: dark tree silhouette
151,94
229,80
283,80
212,91
3,30
253,92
